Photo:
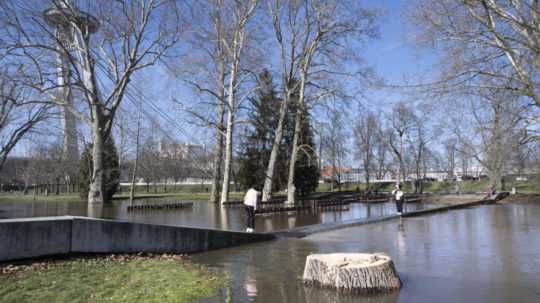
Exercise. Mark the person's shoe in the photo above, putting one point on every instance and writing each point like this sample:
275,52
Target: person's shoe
249,230
399,213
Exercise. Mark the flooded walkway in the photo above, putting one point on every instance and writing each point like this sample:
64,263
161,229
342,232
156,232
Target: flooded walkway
488,253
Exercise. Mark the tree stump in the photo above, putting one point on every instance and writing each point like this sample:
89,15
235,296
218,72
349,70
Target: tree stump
352,272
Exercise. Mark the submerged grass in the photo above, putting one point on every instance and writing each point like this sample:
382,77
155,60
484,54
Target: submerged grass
116,279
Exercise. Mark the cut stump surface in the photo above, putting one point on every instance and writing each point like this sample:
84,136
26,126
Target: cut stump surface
352,272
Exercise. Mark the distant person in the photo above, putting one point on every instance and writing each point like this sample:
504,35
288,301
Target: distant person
250,203
399,197
491,191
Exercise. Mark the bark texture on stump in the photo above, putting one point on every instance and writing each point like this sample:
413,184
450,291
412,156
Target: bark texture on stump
352,272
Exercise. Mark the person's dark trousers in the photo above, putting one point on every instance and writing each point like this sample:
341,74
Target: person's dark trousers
250,217
399,205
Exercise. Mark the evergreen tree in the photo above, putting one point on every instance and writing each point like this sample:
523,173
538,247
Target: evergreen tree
306,177
111,173
259,135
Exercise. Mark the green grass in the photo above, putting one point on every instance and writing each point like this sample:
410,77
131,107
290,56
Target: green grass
532,186
30,198
445,186
140,195
134,279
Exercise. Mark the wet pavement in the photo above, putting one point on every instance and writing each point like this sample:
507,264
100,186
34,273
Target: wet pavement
202,214
488,253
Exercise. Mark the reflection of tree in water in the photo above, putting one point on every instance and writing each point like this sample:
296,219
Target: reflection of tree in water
95,210
316,294
401,241
272,272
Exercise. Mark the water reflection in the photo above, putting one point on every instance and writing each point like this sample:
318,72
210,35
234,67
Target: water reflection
318,295
200,214
95,211
483,254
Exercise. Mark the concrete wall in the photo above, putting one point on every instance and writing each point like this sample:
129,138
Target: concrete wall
37,237
27,238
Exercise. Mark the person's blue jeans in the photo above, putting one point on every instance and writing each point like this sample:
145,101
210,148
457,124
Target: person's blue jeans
399,205
250,217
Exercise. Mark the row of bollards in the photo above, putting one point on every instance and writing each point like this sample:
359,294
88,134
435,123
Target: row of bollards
176,205
268,210
241,203
313,205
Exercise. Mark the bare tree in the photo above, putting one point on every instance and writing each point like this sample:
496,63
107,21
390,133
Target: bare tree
312,38
287,40
484,43
132,36
136,161
382,153
365,134
334,137
242,13
495,133
20,112
207,73
417,143
450,149
402,121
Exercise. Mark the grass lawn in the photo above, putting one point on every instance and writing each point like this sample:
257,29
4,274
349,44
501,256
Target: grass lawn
76,198
112,279
6,197
445,186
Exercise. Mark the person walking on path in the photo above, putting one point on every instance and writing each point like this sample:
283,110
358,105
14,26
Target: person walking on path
399,197
250,203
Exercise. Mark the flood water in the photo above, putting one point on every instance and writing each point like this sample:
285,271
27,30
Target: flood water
201,214
488,253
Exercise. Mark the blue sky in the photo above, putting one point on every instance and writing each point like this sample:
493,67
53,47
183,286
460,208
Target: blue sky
393,56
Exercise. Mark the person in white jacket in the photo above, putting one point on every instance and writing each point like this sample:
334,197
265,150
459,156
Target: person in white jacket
399,197
250,203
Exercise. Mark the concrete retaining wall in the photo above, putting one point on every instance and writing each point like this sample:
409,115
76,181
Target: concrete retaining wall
46,236
27,238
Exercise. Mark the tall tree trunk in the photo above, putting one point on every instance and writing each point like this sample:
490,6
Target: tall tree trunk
366,171
136,163
216,174
291,190
238,43
400,159
218,150
68,122
95,192
228,158
269,176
